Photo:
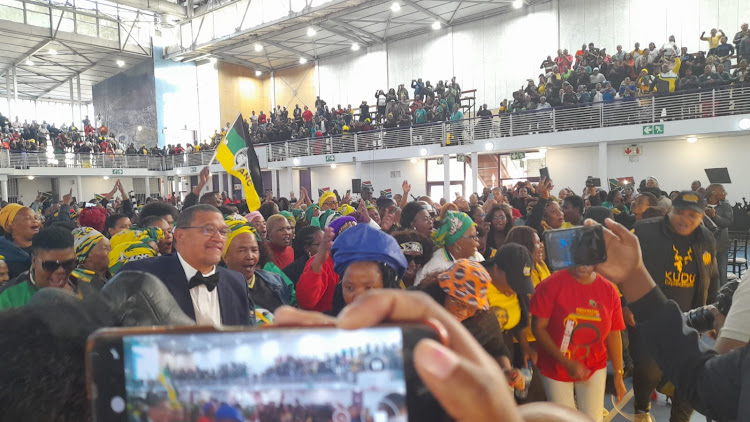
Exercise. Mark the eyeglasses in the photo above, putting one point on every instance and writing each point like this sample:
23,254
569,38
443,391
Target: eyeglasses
52,266
209,231
330,203
499,217
475,237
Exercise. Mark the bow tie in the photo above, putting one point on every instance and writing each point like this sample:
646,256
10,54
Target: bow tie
210,282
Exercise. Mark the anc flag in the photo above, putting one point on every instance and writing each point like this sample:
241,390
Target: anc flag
165,379
237,156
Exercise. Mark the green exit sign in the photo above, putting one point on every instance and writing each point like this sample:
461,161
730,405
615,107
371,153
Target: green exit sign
117,171
517,155
330,158
193,169
653,130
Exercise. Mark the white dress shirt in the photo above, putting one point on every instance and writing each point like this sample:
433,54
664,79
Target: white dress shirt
205,303
441,261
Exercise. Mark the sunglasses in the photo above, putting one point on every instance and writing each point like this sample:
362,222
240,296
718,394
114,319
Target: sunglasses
52,266
418,259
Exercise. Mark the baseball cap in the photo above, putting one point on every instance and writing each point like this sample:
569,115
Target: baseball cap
596,69
689,200
515,261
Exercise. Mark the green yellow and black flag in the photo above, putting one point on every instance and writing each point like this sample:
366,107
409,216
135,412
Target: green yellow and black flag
237,155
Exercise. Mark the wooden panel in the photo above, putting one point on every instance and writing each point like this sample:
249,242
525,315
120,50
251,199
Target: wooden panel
240,91
297,85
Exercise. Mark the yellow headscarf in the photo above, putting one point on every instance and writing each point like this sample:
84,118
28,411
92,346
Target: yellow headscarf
8,214
326,196
346,209
237,227
131,245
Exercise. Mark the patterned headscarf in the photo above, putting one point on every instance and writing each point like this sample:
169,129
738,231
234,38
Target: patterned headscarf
326,218
310,211
454,225
468,282
84,239
289,217
237,227
338,223
132,245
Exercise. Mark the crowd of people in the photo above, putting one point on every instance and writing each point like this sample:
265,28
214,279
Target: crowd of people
480,258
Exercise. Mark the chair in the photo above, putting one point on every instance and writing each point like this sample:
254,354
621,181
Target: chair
738,253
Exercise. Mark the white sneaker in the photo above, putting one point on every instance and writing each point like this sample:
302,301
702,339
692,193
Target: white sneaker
643,417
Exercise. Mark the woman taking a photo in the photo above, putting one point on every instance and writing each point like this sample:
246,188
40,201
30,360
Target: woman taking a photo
500,221
577,319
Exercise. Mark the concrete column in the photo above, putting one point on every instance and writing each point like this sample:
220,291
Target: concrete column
447,177
148,187
80,106
79,188
72,103
274,178
273,93
358,169
15,86
475,173
222,185
7,95
4,189
289,180
175,186
603,163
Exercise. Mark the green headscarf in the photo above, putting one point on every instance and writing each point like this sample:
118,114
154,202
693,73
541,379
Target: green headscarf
325,218
297,213
309,212
289,217
454,225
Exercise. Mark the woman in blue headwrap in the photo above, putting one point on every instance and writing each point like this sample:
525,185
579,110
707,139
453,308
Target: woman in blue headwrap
457,239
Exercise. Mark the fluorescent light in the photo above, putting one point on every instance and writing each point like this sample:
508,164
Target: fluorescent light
413,161
31,177
517,4
333,166
258,73
178,59
311,32
120,63
52,52
745,124
258,47
295,161
140,128
355,47
423,152
29,62
692,139
302,60
105,177
489,146
543,150
436,25
395,7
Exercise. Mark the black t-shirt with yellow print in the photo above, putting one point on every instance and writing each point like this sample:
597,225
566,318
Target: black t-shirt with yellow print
681,272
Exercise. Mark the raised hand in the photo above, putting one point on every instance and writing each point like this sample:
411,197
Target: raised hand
406,187
204,175
68,197
323,250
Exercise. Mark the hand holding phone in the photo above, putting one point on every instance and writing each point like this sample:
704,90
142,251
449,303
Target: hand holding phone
575,247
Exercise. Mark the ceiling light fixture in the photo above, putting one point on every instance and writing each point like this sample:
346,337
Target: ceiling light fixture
29,62
423,152
302,60
413,161
105,177
140,128
355,47
489,146
212,60
311,32
52,52
436,25
692,139
258,47
333,166
296,161
543,150
744,124
120,63
517,4
258,73
395,7
31,177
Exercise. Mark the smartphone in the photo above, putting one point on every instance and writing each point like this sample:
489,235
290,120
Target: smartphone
574,247
544,173
323,373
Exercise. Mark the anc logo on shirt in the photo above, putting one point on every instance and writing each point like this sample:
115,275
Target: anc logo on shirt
707,258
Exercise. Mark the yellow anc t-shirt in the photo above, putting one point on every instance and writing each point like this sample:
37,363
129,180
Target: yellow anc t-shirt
506,308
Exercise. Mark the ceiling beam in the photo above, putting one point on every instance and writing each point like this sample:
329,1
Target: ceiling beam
344,35
358,30
427,12
244,63
33,50
291,50
58,85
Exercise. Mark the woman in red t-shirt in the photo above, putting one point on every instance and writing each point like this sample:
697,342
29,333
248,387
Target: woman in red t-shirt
577,323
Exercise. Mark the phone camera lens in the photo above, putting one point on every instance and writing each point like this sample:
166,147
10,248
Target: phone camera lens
117,404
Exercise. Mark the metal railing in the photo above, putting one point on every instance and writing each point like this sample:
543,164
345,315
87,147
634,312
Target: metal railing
722,101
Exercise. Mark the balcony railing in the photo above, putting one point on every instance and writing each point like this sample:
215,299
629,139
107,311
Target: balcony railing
722,101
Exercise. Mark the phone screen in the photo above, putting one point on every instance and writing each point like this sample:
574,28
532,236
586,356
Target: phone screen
284,374
574,247
544,172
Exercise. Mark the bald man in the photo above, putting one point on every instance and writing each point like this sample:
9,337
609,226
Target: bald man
279,238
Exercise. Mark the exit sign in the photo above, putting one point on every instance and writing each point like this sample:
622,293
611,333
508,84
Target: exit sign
117,171
653,130
330,158
193,169
517,155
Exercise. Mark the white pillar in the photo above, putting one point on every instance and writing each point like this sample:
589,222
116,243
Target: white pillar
15,87
80,106
176,186
603,164
358,169
7,95
447,177
163,187
4,189
72,103
148,188
290,179
79,189
273,93
274,178
475,173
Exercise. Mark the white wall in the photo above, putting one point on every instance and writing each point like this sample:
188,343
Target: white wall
496,55
377,173
208,100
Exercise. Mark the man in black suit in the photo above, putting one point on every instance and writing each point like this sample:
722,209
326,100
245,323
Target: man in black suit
209,294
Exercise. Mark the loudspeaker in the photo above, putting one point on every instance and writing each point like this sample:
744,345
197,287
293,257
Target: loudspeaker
356,185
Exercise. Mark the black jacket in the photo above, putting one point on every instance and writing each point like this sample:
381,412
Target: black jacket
657,238
717,386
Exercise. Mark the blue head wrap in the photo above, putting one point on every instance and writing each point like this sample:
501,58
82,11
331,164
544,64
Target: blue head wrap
226,412
363,243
